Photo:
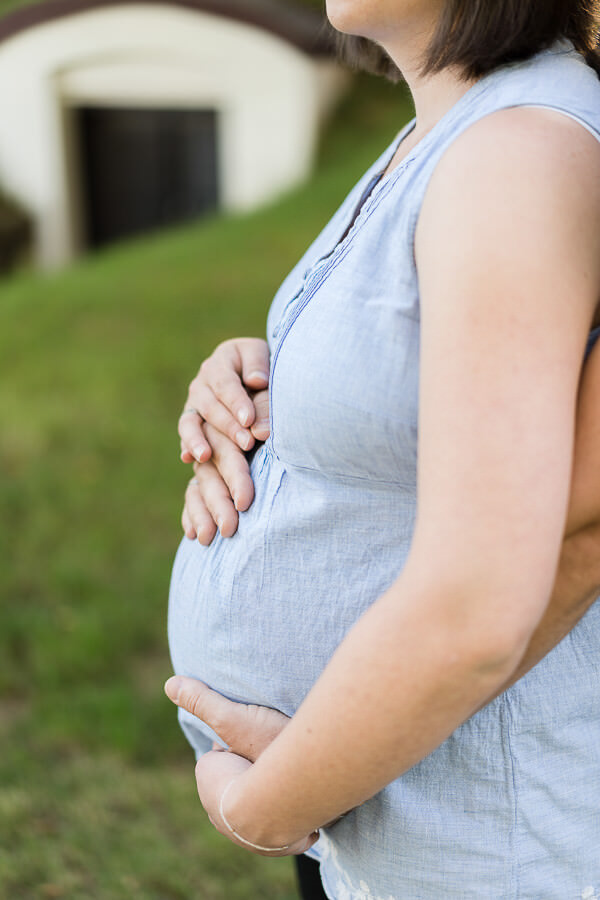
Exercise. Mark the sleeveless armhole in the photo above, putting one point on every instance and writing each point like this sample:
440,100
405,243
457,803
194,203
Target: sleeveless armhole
564,112
525,105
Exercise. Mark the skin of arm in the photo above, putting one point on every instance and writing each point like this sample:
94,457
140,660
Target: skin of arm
507,301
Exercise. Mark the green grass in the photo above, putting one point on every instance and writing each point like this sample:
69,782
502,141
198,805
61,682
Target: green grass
97,796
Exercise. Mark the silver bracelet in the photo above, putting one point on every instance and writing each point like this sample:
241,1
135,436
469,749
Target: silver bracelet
238,836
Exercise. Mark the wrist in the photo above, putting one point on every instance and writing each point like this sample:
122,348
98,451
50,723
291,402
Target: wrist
246,821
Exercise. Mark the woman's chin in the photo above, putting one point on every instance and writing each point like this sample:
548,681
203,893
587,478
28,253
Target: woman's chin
342,17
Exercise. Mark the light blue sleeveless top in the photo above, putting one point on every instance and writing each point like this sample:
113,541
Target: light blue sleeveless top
509,805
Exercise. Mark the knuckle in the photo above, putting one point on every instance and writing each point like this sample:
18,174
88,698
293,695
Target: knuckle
211,407
196,380
191,485
218,724
225,348
219,382
194,705
205,368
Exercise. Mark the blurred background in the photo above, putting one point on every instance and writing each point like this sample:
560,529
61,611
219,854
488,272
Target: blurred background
162,167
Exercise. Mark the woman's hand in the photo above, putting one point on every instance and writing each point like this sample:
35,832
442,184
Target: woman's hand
219,778
220,394
247,730
225,393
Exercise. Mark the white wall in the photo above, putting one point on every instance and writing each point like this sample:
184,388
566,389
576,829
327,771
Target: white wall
270,96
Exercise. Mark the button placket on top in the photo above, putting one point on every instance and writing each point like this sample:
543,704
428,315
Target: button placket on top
317,274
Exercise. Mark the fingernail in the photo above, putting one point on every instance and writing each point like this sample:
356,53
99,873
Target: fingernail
263,375
243,439
199,453
243,416
172,687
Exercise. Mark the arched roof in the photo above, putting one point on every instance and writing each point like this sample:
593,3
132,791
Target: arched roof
301,27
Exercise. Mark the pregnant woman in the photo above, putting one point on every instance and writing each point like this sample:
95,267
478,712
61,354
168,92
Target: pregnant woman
391,579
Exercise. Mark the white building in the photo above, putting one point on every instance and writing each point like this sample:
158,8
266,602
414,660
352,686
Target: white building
122,116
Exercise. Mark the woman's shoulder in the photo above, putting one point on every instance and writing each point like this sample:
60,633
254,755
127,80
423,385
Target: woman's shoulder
517,138
521,165
557,80
540,115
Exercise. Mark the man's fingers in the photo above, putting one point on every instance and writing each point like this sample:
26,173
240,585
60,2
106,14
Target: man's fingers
262,425
196,515
188,527
221,487
233,468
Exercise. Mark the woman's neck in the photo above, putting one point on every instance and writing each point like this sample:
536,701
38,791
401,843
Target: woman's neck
434,94
405,29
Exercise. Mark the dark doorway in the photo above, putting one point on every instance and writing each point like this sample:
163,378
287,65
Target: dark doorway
146,168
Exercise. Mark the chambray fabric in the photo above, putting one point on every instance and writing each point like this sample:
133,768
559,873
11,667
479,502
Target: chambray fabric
509,805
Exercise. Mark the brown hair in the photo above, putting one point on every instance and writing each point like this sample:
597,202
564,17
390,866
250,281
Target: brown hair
478,36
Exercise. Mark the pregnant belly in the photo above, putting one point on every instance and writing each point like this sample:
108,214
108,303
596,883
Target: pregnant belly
245,631
258,616
232,628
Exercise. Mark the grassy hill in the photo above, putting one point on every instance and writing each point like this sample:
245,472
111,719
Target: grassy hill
97,796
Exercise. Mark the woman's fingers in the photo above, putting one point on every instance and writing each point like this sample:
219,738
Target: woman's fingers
222,374
255,362
246,729
220,395
262,424
209,408
194,445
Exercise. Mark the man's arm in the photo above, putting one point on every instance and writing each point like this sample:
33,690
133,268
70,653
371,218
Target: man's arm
578,578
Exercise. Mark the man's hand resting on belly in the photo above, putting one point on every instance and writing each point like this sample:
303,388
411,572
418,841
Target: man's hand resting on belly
226,413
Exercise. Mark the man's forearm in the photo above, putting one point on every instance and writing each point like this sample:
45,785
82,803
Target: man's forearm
575,590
